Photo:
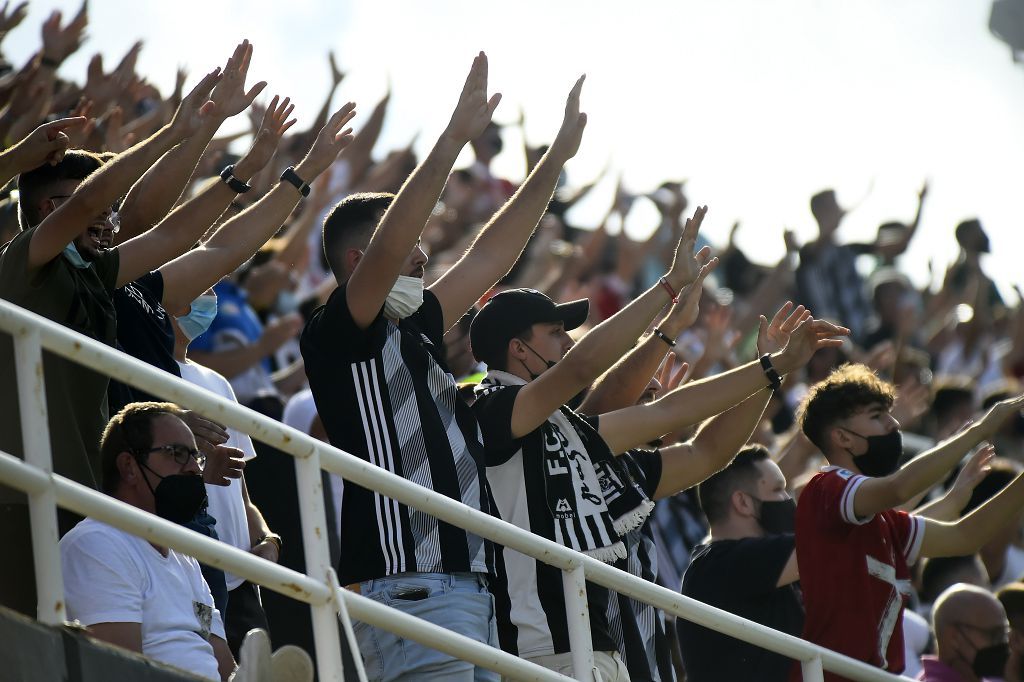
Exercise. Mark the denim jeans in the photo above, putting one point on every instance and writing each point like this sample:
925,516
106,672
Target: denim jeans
458,602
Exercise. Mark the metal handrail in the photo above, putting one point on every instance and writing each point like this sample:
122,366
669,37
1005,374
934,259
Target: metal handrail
31,332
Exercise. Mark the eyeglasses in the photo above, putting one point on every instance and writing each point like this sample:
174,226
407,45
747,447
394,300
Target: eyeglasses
180,453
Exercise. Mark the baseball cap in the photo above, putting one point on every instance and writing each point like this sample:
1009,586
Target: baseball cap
510,313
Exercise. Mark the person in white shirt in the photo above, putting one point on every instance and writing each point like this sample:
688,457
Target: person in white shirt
131,592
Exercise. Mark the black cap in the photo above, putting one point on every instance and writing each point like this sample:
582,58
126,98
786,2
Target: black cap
512,312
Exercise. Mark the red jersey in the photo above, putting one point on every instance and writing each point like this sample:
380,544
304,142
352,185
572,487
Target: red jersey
854,572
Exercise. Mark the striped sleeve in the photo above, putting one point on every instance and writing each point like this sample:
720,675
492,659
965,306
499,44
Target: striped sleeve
847,497
913,537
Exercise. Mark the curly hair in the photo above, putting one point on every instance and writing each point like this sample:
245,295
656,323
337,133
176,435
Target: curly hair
847,390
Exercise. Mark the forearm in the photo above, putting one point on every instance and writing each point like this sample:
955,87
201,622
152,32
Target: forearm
623,384
358,154
927,469
982,524
945,508
159,189
233,361
720,438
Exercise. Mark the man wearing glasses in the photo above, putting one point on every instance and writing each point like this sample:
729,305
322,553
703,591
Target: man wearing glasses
131,592
972,637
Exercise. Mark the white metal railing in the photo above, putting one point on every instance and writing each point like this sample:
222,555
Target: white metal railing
319,587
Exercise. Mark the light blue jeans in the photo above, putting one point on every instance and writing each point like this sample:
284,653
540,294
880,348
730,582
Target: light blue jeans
458,602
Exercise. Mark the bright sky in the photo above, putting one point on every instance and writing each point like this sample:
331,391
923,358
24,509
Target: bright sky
758,104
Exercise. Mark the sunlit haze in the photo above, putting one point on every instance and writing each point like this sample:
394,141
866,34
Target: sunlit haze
757,104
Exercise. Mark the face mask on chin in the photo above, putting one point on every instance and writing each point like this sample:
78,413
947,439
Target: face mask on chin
75,258
405,298
200,316
883,453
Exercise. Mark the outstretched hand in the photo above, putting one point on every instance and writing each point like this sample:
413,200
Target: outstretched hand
222,464
60,43
687,263
331,139
683,314
773,336
973,473
45,144
567,141
810,336
229,95
999,413
474,110
195,107
273,127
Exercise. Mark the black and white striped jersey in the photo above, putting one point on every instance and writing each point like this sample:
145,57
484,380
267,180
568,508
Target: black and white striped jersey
384,394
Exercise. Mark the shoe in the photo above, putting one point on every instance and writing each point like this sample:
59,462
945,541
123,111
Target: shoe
291,664
254,658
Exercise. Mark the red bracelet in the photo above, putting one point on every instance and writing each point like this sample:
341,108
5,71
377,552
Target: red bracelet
668,287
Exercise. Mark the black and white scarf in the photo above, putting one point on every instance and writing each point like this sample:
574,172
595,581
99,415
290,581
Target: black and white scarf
593,499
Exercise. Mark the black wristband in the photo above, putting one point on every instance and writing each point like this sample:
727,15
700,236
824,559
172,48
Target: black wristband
52,63
774,379
664,337
292,178
237,186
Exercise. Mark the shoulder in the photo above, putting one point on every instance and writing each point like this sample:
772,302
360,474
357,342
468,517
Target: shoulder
94,537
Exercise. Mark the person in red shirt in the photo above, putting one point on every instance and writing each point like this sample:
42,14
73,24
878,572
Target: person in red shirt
853,544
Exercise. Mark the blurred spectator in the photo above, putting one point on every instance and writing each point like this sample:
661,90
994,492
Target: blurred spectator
971,636
1012,598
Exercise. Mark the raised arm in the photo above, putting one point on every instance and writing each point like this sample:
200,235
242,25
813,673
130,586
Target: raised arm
919,474
949,506
237,239
623,384
719,439
357,154
99,191
402,224
607,342
696,401
45,144
156,193
497,247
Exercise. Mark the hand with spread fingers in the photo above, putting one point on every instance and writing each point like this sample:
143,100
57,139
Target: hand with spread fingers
474,110
773,336
275,124
59,43
223,463
567,141
195,107
229,95
331,139
808,337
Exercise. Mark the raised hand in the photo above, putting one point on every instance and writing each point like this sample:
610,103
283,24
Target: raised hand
671,380
9,20
273,127
567,141
45,144
208,433
999,413
222,464
331,139
60,43
474,110
684,313
974,472
195,107
79,134
773,336
337,75
809,336
687,264
229,94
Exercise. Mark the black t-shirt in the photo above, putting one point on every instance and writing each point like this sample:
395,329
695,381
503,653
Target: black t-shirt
740,576
144,331
385,395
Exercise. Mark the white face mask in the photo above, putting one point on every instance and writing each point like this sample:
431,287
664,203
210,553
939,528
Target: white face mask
405,298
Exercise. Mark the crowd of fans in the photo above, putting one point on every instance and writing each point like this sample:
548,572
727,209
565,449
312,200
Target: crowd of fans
819,445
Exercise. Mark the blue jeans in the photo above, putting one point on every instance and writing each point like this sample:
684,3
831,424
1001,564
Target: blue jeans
459,602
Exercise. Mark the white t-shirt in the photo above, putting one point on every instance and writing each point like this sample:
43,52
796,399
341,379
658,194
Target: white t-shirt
299,413
226,504
916,635
113,577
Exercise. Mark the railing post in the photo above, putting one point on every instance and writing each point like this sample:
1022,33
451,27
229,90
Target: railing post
318,565
812,670
577,613
42,506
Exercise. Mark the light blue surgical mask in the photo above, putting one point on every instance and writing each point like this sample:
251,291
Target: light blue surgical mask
75,258
200,316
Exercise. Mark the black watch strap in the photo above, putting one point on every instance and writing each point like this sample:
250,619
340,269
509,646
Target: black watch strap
237,186
774,378
292,178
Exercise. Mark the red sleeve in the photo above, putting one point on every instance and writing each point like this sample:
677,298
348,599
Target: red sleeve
831,495
910,533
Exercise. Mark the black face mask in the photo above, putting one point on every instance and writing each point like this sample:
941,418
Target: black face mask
991,660
178,496
549,363
883,453
778,516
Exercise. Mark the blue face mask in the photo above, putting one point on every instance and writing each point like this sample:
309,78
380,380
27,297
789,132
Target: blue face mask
200,316
75,258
